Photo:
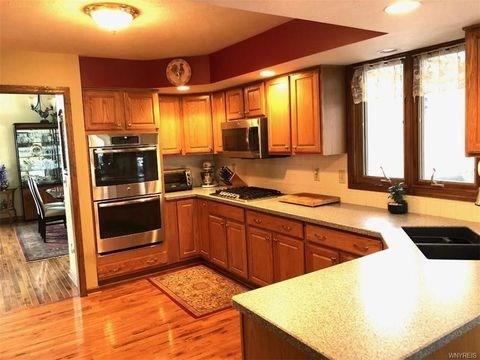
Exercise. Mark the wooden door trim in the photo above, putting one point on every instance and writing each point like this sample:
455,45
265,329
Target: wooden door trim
77,223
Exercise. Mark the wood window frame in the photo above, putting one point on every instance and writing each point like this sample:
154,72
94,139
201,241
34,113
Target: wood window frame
355,135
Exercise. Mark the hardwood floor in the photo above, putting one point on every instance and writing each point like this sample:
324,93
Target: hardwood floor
129,321
27,284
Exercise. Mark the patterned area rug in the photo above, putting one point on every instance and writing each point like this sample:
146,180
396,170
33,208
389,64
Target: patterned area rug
32,243
198,289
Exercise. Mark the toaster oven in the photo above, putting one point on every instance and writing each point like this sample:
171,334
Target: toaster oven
178,179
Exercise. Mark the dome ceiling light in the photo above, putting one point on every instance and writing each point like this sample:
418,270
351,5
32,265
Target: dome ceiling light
402,7
111,16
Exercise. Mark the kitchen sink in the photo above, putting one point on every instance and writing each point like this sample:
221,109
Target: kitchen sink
459,243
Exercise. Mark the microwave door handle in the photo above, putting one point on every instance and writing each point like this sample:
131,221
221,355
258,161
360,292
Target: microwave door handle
126,202
125,150
247,137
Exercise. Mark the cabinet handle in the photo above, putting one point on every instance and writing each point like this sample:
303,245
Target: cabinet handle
275,239
257,221
267,238
334,260
320,237
152,261
204,204
115,269
129,124
287,147
286,228
361,248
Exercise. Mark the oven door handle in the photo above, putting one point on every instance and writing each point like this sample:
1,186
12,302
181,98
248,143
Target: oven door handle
125,150
126,202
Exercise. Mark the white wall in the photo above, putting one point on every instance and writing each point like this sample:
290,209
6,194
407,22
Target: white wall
15,108
295,174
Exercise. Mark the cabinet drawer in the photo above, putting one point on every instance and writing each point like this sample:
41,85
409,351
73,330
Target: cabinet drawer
275,223
352,243
226,211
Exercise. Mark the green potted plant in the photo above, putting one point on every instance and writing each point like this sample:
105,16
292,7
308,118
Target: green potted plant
398,205
3,178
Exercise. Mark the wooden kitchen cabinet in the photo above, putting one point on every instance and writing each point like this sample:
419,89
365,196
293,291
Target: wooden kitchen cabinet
218,117
278,113
171,127
197,124
141,110
237,248
103,110
317,258
472,86
344,257
305,112
254,100
120,110
260,256
234,104
218,241
203,234
288,255
186,236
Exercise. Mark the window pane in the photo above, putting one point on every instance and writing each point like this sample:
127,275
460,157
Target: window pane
442,115
384,120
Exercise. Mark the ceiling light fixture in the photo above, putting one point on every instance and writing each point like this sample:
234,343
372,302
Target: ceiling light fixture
111,16
387,51
183,88
267,73
402,7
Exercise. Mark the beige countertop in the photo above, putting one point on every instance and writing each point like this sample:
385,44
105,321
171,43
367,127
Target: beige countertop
388,305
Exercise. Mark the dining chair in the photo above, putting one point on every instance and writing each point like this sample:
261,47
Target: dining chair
48,214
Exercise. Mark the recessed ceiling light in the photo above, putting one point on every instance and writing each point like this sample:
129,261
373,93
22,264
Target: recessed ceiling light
267,73
387,51
111,16
183,88
402,7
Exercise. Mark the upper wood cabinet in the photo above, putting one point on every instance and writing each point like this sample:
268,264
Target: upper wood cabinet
218,117
103,110
120,110
170,124
254,100
305,112
186,236
234,104
472,84
141,110
197,124
278,113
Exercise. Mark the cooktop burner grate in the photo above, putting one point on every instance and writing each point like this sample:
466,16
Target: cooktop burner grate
246,193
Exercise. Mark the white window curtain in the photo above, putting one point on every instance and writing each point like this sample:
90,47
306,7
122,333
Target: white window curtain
439,71
376,81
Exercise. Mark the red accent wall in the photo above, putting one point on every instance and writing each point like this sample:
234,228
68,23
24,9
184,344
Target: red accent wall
286,42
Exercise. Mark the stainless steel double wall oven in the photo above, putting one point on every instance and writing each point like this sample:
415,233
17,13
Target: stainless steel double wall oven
127,190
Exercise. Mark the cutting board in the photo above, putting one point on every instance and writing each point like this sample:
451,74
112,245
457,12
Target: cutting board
308,199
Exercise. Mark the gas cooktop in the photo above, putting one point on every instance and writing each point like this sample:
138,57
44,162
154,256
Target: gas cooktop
246,193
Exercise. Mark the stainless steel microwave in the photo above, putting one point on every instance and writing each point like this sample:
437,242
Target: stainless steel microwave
246,139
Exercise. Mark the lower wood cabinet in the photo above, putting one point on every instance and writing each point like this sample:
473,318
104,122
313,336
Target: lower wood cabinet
344,257
288,257
186,237
260,256
203,234
218,241
237,248
318,258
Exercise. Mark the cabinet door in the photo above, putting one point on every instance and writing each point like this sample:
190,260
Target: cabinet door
186,235
218,117
218,241
305,111
170,227
278,112
103,110
170,124
202,228
237,248
472,84
141,110
288,257
318,258
234,104
344,257
254,98
260,256
197,124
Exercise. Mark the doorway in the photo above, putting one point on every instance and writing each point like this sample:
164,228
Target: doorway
41,247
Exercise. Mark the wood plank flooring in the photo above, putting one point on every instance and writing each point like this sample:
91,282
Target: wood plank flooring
134,320
27,284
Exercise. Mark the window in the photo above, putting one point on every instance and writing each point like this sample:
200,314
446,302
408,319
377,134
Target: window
439,83
407,122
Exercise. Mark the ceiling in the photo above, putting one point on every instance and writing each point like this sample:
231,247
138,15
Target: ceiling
165,28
